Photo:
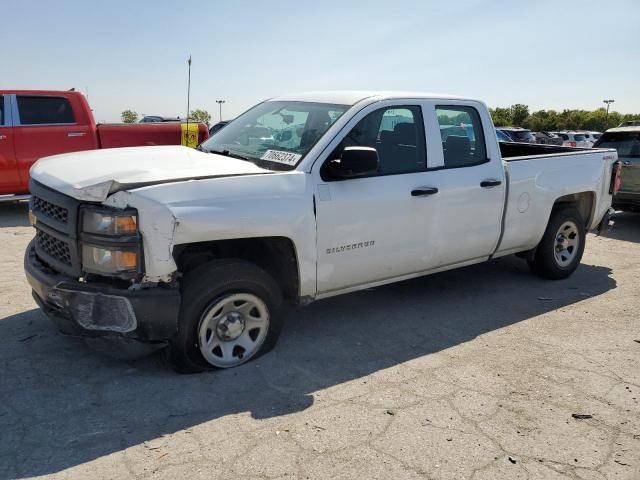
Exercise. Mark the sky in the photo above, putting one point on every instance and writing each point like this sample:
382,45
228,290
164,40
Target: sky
133,54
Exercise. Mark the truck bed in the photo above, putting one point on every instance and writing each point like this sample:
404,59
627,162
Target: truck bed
540,174
114,135
512,151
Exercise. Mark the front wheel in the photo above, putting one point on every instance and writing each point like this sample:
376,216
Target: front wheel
559,252
228,315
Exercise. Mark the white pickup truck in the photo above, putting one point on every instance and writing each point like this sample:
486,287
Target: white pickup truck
300,198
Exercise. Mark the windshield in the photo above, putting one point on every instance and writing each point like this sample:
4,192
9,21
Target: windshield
626,143
523,135
275,135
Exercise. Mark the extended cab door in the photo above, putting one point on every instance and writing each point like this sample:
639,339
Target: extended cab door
9,178
378,227
471,182
48,125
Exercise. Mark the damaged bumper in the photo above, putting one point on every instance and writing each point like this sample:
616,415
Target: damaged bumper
95,310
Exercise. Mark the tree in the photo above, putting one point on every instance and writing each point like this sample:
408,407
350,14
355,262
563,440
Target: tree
129,116
200,116
519,114
501,116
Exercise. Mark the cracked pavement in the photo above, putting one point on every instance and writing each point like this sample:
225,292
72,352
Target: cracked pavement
468,374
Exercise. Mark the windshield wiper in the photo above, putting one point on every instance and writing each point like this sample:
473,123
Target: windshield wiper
227,153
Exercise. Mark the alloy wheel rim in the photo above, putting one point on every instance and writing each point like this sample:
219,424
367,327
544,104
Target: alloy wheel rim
233,329
567,243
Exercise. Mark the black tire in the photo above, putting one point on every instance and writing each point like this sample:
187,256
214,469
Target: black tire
206,285
544,262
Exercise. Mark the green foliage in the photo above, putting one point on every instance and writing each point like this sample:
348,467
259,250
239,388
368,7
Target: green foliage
129,116
549,120
200,116
519,114
501,117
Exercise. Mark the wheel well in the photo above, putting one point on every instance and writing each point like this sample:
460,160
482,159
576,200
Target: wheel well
276,255
583,201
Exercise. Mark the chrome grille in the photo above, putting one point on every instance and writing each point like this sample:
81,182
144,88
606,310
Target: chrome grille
57,249
55,212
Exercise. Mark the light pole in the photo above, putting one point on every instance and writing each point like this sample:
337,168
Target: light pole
220,102
606,118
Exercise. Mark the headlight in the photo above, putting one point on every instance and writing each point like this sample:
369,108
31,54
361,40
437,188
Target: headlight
104,222
111,243
108,260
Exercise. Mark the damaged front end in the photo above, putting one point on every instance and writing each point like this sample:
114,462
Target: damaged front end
100,309
86,268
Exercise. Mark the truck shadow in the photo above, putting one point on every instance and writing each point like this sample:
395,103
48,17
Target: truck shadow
626,227
14,214
62,405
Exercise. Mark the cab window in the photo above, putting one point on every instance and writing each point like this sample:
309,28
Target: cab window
36,110
397,133
462,136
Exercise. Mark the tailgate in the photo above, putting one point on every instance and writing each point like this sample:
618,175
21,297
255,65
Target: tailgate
145,134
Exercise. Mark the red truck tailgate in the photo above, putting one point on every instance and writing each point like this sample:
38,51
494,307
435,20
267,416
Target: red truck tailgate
144,134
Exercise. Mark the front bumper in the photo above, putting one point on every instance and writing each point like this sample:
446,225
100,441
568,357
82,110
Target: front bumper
99,310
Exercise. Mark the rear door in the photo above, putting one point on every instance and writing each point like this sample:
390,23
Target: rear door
46,125
9,178
471,186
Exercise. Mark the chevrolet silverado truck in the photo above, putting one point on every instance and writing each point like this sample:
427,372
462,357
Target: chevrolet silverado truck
38,123
302,197
626,141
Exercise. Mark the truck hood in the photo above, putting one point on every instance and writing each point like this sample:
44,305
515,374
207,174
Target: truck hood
94,175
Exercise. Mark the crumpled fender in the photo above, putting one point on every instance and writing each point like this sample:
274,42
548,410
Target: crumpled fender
157,225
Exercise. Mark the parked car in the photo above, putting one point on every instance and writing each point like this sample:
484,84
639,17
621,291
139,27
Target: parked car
36,124
573,139
217,126
200,248
547,138
591,137
630,123
626,140
159,119
518,134
503,137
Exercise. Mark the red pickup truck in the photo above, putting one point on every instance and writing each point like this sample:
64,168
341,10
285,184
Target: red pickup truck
39,123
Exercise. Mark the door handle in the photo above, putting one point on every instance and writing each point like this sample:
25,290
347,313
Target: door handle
76,134
489,183
423,191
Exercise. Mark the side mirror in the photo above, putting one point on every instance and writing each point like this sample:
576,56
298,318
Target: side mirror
355,162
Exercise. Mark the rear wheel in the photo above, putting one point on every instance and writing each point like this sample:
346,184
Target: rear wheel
228,316
559,252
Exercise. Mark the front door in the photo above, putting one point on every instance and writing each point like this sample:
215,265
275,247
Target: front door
9,178
377,228
47,126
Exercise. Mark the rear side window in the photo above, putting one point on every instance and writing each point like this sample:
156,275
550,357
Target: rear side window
462,136
44,110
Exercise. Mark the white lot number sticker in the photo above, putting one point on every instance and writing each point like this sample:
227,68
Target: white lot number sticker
279,156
